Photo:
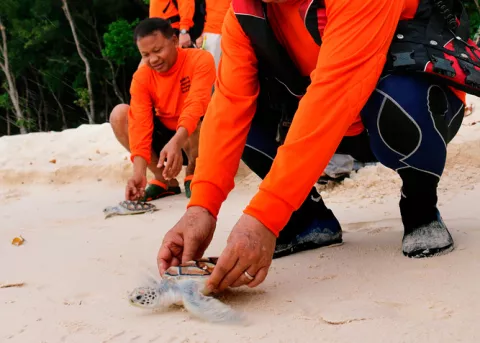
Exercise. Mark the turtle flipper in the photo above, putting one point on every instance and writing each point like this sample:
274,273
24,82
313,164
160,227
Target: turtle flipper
206,307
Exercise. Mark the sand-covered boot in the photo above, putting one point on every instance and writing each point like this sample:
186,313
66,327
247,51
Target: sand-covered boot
312,226
427,240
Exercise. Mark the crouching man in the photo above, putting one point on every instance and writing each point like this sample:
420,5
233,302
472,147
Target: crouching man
170,93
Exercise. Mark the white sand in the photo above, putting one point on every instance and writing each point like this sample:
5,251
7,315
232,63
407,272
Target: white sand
78,267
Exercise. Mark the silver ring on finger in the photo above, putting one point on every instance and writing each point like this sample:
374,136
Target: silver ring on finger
250,277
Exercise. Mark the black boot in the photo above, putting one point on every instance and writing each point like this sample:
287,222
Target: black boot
425,233
312,226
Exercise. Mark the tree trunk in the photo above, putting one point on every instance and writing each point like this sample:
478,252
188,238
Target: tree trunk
26,105
110,64
91,112
41,106
106,103
11,87
62,112
9,127
45,117
39,116
114,82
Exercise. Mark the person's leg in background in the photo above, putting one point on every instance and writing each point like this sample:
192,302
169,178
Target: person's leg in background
157,186
211,43
338,168
410,121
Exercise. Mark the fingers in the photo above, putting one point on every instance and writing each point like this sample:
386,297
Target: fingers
226,262
199,42
190,250
179,164
233,275
140,193
168,165
161,159
259,277
175,262
164,258
173,166
127,193
244,278
130,191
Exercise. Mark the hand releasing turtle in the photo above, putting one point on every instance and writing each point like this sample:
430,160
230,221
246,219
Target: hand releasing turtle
185,285
128,207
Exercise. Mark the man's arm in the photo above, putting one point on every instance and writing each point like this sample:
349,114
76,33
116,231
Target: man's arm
227,121
140,118
216,10
186,9
199,95
355,43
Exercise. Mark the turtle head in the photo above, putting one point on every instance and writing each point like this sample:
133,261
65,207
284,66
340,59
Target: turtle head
110,211
145,297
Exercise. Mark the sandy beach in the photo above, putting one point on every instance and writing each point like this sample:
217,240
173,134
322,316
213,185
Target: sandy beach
77,267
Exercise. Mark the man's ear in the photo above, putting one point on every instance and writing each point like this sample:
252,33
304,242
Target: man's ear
175,40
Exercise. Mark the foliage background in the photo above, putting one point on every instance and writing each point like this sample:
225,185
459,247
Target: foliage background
50,77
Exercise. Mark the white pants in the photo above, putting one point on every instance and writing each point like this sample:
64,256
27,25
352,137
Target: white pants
212,45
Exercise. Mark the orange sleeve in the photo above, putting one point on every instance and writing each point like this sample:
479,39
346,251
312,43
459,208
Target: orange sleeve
227,121
196,103
355,43
140,115
156,7
186,9
216,10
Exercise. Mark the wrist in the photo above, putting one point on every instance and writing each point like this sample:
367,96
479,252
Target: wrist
181,136
206,195
200,209
139,166
184,31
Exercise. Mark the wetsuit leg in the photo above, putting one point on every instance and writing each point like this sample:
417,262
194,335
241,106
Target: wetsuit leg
410,121
313,225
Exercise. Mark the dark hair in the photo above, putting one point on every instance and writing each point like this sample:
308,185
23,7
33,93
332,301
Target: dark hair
150,25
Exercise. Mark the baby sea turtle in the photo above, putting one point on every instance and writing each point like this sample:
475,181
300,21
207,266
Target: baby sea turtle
127,207
185,285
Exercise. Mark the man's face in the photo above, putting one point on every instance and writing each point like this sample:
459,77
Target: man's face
158,52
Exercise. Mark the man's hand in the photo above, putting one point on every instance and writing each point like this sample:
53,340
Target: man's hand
250,248
136,184
184,40
199,41
135,187
171,158
188,239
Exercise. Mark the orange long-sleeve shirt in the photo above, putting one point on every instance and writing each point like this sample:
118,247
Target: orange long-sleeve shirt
180,97
344,72
186,10
216,10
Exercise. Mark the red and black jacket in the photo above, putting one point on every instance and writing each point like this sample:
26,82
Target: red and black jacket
434,43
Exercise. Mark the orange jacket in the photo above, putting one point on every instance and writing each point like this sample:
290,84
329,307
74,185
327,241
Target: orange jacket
180,97
216,10
165,9
344,72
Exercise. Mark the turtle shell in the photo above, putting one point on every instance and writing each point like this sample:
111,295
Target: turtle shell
137,206
196,268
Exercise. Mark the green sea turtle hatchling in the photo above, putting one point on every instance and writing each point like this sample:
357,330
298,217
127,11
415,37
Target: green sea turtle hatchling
185,285
127,207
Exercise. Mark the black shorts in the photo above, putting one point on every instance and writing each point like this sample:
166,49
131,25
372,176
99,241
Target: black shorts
161,136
